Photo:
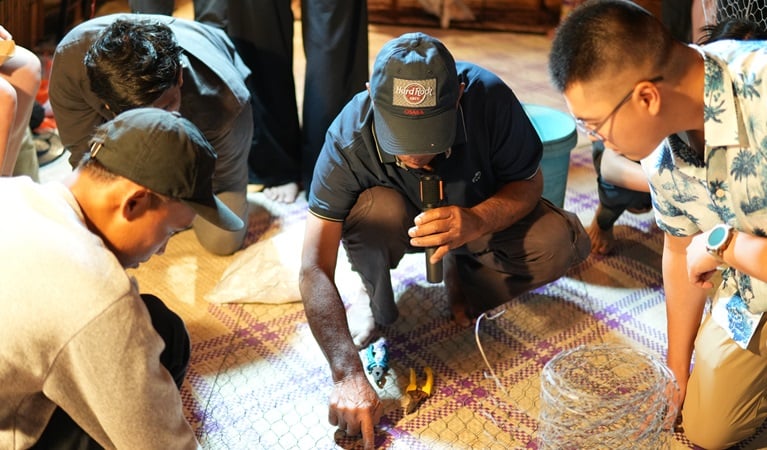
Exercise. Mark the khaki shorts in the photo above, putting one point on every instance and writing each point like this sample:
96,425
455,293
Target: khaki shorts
725,401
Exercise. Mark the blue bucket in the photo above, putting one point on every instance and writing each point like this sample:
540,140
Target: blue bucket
557,132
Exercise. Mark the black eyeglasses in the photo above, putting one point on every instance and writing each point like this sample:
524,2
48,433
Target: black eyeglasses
593,132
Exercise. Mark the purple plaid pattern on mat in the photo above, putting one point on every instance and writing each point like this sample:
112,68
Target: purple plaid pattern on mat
263,383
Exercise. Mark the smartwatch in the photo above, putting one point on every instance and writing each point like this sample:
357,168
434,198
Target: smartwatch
719,239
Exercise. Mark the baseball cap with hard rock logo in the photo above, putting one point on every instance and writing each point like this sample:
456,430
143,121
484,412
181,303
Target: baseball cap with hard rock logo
415,91
167,154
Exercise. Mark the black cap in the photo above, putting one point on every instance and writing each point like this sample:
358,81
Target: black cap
166,153
415,90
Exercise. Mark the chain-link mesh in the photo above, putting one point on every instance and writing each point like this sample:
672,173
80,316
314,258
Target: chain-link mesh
754,10
266,385
258,380
606,396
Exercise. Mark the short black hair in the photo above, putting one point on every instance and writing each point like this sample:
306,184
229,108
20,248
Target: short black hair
603,36
732,28
132,63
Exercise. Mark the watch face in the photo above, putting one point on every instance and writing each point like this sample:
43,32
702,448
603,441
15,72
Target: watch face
716,236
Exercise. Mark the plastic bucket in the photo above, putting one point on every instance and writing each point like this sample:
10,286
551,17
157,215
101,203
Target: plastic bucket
557,132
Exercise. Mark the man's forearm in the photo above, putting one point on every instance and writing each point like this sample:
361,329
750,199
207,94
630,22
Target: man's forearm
684,307
684,314
511,203
326,316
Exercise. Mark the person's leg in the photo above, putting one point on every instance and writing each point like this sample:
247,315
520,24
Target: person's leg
37,116
375,238
536,250
726,398
613,201
19,82
216,240
460,309
212,12
27,163
335,36
601,228
62,433
230,183
152,6
262,32
677,17
172,330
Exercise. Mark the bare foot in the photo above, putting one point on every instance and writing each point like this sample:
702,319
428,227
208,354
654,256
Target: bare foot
602,241
456,298
641,210
362,326
284,193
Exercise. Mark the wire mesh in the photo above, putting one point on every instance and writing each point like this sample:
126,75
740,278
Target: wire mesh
266,385
258,379
606,397
717,10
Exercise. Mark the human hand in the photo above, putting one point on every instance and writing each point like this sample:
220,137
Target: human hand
7,46
676,393
701,265
446,228
355,408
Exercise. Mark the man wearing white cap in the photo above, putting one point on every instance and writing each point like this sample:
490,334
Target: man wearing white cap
85,360
424,116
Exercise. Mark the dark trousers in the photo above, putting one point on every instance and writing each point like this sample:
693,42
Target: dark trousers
677,16
62,433
262,32
335,36
491,270
614,199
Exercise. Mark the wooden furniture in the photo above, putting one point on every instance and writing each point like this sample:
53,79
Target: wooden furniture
528,16
31,21
21,19
536,16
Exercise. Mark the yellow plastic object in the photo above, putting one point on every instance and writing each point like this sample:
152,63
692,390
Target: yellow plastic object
412,386
427,387
418,395
7,49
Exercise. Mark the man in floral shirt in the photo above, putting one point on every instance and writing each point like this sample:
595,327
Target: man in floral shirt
707,107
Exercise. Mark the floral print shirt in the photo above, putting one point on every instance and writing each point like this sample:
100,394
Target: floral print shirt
730,184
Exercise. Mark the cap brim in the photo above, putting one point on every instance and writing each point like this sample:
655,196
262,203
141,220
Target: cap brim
415,136
218,214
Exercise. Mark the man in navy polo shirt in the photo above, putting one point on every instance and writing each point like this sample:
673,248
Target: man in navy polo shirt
423,114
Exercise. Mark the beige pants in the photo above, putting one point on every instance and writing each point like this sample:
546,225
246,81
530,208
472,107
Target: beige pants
26,163
726,399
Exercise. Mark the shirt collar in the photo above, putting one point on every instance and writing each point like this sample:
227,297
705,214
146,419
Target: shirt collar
721,121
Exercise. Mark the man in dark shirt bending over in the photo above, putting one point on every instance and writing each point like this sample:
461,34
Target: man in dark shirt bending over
423,114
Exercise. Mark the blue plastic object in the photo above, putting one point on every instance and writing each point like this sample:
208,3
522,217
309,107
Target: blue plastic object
557,132
378,361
